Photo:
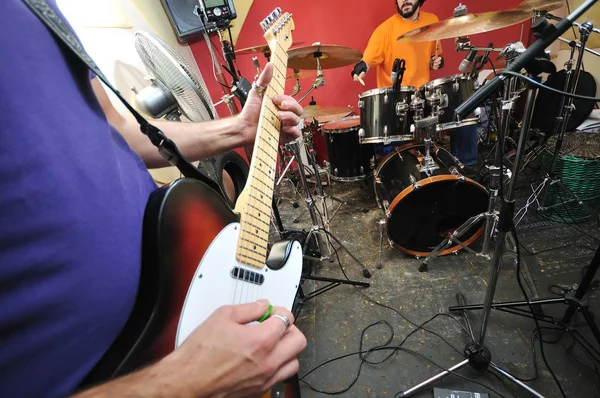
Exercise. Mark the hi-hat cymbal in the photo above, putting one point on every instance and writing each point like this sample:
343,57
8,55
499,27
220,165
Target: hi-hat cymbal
261,49
324,114
540,5
302,75
465,25
329,55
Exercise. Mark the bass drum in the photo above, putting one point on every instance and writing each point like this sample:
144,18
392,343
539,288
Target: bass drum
422,210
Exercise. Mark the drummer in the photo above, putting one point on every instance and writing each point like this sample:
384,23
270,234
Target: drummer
420,57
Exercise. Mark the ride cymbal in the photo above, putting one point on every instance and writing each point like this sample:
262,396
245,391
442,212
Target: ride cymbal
329,55
540,5
260,49
465,25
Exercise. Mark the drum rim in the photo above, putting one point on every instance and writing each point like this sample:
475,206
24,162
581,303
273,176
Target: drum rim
381,90
446,79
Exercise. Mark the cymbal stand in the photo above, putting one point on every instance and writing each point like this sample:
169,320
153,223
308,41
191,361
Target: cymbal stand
476,353
322,195
319,80
491,215
540,193
322,238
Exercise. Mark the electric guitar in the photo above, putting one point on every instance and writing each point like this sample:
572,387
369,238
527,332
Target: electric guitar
198,254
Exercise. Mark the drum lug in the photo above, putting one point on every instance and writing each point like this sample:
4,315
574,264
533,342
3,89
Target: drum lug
361,134
335,171
415,184
386,208
456,86
385,131
361,104
385,98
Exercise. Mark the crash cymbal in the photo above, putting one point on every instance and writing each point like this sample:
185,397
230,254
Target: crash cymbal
302,75
465,25
261,49
540,5
330,56
324,114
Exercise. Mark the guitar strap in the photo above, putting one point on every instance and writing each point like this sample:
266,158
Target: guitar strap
166,147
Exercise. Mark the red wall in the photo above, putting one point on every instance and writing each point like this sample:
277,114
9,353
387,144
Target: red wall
347,23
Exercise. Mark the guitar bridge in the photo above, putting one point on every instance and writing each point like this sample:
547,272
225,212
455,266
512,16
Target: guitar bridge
247,275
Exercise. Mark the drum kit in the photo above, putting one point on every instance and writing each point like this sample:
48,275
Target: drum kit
418,178
431,207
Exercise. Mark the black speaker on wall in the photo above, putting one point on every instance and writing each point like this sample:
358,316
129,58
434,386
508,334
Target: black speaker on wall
187,26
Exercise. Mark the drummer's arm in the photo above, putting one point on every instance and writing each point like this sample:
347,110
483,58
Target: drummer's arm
373,55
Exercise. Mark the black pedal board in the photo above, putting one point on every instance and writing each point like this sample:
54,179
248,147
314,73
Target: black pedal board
443,393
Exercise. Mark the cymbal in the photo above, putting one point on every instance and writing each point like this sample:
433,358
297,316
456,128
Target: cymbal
324,114
465,25
260,49
540,5
302,75
329,55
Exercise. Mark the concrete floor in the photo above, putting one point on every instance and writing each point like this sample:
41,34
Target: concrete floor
399,297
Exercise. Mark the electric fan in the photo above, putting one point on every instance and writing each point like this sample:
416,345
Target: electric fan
175,88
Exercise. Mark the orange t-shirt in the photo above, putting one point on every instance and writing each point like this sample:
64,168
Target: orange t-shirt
383,49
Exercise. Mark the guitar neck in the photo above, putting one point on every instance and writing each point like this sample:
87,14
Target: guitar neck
255,215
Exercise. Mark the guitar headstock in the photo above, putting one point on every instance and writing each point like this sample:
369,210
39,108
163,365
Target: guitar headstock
278,29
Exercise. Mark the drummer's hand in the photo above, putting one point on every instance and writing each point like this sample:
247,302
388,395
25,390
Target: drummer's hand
436,62
362,75
289,111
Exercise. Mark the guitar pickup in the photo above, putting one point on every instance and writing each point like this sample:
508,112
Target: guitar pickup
247,276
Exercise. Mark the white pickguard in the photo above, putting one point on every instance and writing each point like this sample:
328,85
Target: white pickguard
213,285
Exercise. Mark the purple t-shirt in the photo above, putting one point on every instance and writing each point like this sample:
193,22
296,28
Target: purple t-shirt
72,199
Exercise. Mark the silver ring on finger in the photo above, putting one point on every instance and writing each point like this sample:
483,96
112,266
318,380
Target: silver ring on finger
259,89
283,318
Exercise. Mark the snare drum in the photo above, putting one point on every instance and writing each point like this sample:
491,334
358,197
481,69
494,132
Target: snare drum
348,159
421,209
386,115
444,95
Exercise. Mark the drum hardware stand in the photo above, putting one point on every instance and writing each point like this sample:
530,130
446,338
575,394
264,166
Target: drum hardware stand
319,80
316,229
477,355
426,126
566,104
491,215
381,223
321,236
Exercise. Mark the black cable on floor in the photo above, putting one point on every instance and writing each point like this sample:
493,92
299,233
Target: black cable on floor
364,359
537,325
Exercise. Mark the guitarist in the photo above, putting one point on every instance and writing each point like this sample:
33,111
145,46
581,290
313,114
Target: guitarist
72,197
